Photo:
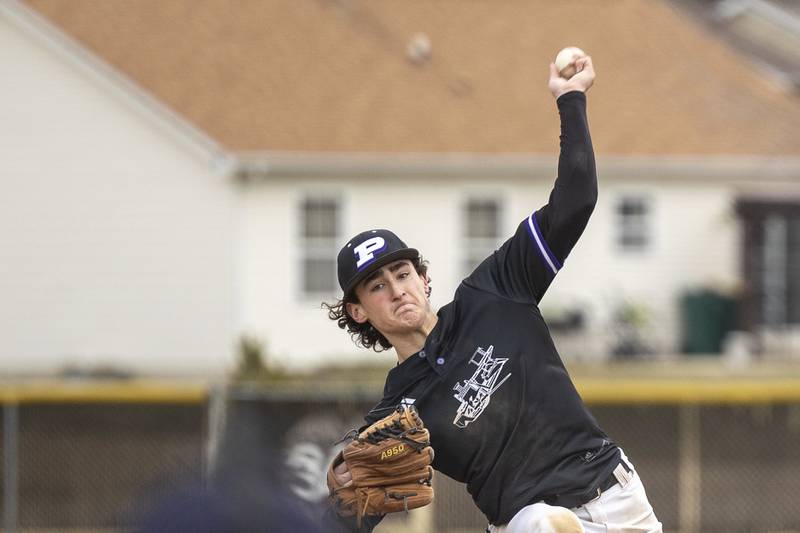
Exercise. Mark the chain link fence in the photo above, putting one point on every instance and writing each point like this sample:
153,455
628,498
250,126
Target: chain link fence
711,468
721,458
725,461
96,462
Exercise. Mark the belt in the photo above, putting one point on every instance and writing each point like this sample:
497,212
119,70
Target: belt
572,500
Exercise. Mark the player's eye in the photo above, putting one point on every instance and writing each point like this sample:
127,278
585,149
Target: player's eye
403,275
376,287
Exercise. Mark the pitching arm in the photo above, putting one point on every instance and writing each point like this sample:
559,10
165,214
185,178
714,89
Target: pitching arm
523,268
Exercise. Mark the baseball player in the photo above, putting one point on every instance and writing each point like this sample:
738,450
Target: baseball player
483,373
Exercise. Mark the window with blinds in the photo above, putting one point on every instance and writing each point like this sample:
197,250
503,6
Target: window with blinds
319,236
633,224
482,231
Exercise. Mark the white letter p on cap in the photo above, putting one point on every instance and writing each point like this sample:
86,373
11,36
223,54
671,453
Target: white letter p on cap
365,252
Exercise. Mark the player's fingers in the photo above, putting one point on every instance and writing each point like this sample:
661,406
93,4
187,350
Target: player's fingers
553,71
343,478
582,63
341,468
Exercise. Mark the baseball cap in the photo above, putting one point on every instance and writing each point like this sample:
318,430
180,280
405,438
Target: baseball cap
367,252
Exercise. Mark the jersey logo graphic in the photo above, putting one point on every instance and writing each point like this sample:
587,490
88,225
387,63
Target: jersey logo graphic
365,252
475,392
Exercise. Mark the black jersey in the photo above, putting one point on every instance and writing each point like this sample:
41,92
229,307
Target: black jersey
503,414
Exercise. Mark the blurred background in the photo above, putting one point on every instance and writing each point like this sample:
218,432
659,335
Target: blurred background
178,175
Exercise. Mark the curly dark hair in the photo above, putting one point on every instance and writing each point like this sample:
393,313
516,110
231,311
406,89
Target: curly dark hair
365,334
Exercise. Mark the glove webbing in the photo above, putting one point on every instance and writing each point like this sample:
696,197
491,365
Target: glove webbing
395,431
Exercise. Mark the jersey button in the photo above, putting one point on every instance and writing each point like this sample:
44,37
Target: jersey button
422,353
440,361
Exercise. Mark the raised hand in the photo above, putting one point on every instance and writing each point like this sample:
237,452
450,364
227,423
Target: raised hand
581,81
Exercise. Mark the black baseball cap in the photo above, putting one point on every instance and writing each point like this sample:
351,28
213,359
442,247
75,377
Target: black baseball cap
367,252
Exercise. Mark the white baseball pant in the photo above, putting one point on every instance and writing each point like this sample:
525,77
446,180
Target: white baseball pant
622,508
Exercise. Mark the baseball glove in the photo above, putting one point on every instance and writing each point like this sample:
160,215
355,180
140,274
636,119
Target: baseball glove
390,465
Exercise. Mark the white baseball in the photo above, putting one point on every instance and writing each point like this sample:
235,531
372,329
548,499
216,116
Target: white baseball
565,61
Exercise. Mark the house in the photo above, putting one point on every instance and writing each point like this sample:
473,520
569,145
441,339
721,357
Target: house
311,120
115,248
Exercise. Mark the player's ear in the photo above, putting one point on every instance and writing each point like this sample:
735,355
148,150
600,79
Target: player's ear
356,312
426,283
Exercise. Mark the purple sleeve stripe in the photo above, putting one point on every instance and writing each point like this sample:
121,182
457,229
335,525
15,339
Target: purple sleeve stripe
541,245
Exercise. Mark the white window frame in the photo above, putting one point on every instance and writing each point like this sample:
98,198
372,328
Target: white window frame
645,225
317,248
474,247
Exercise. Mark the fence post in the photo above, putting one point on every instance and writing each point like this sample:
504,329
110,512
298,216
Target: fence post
217,411
689,468
10,463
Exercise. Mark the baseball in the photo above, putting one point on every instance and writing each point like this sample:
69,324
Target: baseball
565,61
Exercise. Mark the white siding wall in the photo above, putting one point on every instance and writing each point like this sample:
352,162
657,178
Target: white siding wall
115,240
695,242
296,330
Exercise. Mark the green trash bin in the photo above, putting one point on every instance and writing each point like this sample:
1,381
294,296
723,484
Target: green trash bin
706,317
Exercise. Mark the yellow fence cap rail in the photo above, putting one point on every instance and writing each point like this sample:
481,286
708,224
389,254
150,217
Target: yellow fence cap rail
600,390
688,391
133,391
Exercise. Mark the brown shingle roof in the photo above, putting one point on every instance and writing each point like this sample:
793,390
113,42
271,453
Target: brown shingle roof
332,75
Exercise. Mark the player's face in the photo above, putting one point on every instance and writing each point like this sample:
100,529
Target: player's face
394,299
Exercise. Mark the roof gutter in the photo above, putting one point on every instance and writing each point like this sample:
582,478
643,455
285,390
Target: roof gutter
266,166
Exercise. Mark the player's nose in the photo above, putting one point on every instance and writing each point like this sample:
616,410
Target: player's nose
398,291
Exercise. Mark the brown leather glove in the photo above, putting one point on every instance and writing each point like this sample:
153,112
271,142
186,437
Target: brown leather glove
390,467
